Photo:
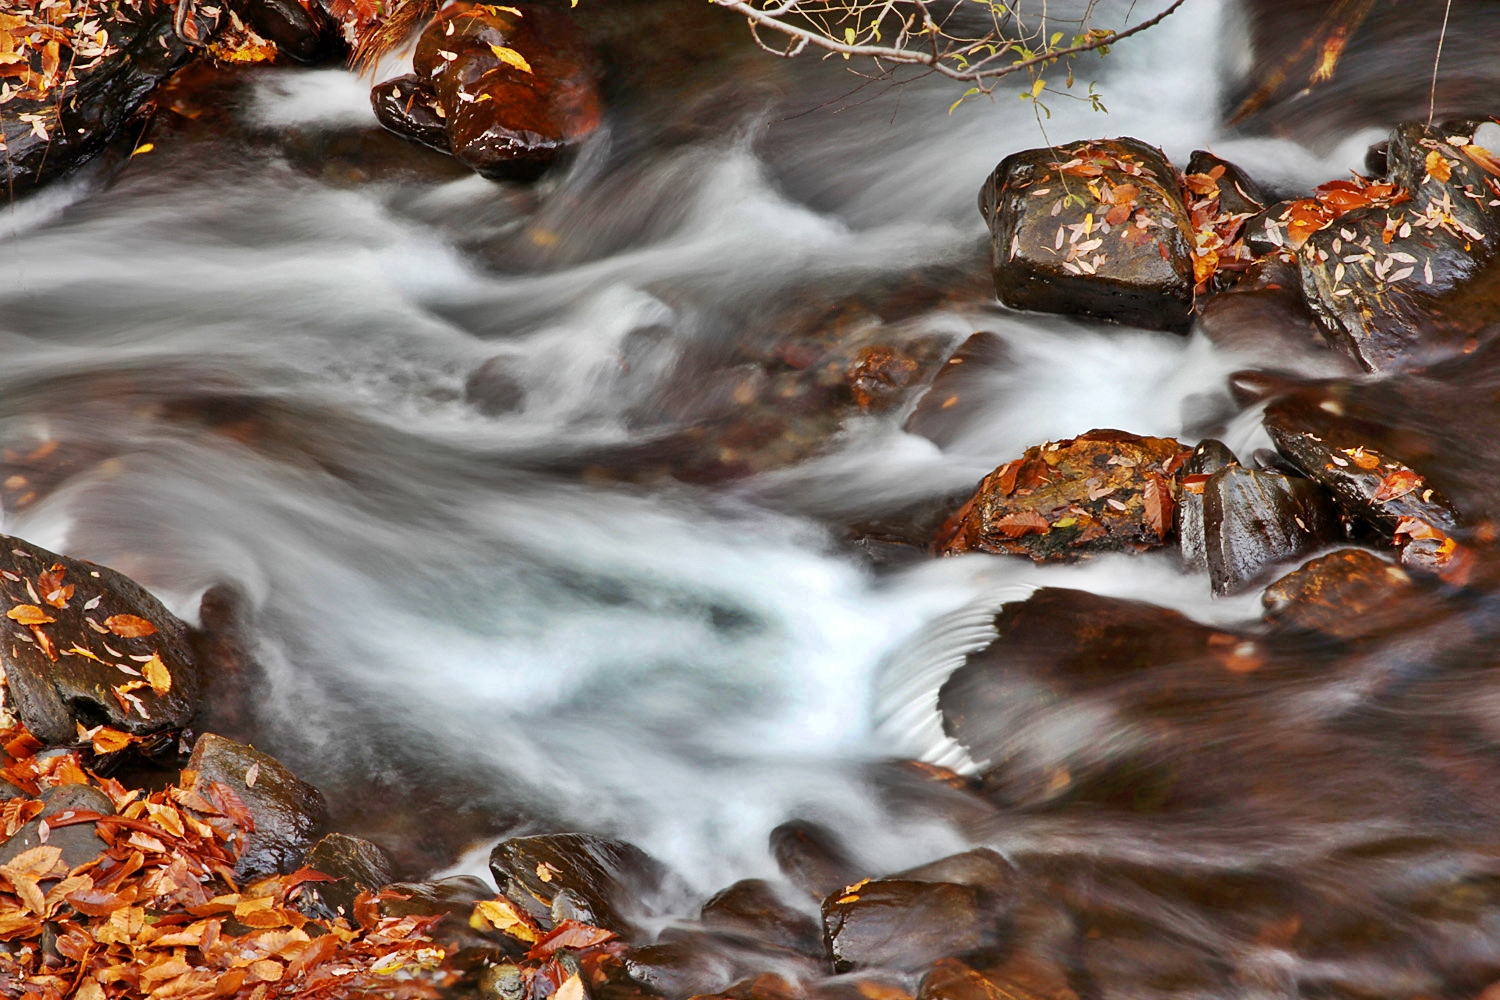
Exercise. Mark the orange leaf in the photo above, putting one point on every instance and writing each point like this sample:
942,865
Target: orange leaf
1397,484
1437,167
129,626
1158,501
29,614
157,675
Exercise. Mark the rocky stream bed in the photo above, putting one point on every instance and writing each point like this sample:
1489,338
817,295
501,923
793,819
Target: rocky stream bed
580,534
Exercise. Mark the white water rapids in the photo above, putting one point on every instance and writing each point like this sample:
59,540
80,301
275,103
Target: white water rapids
682,666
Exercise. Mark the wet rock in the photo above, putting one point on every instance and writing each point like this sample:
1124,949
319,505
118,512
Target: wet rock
494,391
452,901
1208,457
1237,193
45,134
981,869
902,924
301,32
751,908
410,109
80,843
288,812
1311,430
1397,288
814,858
514,88
1253,520
1104,491
1075,700
81,644
579,876
1264,317
1345,594
359,866
1123,255
687,966
962,386
879,377
951,979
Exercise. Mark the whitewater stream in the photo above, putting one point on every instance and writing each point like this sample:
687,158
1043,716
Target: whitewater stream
246,360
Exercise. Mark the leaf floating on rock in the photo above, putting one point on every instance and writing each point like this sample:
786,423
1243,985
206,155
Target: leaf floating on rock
1437,167
157,674
129,626
1158,500
29,614
502,915
511,58
1397,484
1025,523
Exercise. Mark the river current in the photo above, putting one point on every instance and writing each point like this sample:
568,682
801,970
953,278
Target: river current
241,359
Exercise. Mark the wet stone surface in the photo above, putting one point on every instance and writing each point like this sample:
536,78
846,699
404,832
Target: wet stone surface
1208,457
287,813
1345,594
1119,250
905,924
1253,520
513,88
1104,491
83,645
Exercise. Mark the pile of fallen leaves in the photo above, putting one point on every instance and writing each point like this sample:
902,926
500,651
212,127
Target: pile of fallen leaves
1218,243
160,914
1300,219
44,46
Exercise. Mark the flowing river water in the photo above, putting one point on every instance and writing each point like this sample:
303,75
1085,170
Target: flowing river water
477,606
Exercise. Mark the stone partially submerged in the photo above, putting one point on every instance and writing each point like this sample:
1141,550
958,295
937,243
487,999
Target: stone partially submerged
1104,491
508,91
1093,228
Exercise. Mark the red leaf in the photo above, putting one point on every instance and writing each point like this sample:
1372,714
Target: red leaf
1016,525
1158,506
570,934
1397,484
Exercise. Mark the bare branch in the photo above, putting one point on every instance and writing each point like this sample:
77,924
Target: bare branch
941,52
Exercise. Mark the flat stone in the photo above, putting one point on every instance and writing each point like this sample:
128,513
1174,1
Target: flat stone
288,812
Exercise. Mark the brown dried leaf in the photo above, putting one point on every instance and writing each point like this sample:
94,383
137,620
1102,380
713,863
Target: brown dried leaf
1158,502
1026,523
1437,167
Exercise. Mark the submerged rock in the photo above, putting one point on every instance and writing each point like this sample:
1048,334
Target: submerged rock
1403,285
288,813
451,900
905,924
1345,595
1264,317
83,645
1254,519
751,908
513,87
578,876
1104,491
814,858
82,89
1094,228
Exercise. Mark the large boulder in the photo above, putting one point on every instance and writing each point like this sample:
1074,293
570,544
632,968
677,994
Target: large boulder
1402,285
514,88
89,69
83,645
1345,594
1104,491
1095,228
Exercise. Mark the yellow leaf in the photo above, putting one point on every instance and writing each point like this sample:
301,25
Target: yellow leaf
571,989
144,147
29,614
511,58
501,915
1036,88
157,675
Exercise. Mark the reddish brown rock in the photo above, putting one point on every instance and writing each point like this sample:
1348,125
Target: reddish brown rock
1104,491
513,86
1345,594
903,924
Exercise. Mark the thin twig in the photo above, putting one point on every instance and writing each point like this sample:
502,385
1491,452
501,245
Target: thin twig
1432,95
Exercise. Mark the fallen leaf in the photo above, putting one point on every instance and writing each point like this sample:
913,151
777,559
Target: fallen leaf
129,626
157,674
1397,484
1437,167
1017,525
511,58
29,614
1158,502
502,915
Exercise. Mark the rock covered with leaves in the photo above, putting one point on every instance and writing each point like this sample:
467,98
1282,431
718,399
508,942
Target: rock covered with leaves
1103,491
506,90
82,646
1097,228
72,74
